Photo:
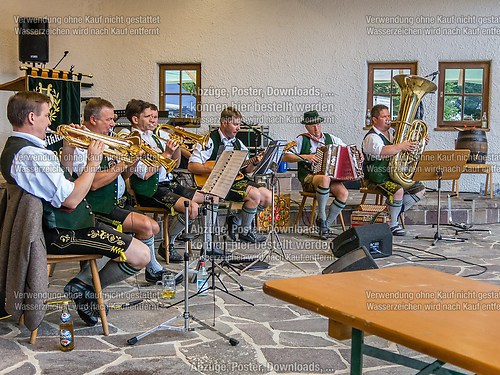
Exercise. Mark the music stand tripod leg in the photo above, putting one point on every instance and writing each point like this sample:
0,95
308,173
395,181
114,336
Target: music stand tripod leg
186,315
437,236
273,235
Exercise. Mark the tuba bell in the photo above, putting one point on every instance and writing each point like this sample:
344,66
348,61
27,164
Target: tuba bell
403,165
182,137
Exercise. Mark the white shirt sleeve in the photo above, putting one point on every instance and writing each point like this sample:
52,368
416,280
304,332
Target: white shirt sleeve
201,156
39,172
80,160
373,145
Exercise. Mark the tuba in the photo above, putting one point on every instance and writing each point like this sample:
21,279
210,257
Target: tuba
413,88
181,136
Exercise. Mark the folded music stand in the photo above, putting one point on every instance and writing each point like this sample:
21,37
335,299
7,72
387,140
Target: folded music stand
441,165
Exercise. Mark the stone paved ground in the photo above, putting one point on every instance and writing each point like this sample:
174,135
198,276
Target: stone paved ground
274,337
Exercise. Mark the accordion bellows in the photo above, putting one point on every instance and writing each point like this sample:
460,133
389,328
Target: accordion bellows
339,162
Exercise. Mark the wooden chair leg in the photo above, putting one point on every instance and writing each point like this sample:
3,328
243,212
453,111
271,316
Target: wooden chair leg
33,335
299,213
364,198
100,300
341,218
313,213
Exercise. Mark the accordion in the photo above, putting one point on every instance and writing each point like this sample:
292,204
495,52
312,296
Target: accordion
339,162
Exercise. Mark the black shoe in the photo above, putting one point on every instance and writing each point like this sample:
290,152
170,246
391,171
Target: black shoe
397,230
252,237
322,228
157,276
174,256
232,227
85,300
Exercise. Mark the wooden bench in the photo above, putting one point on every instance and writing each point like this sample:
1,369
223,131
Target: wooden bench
486,169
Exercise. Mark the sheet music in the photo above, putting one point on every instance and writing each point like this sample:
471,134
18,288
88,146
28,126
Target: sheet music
224,173
272,157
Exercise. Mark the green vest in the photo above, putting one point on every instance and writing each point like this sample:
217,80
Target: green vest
104,200
376,170
147,187
62,218
302,167
217,141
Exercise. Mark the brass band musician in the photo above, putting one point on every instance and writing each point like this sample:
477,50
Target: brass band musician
378,147
106,195
254,197
155,186
322,185
68,220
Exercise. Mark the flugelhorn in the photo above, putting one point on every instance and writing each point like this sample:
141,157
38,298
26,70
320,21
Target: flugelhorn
124,149
151,157
181,136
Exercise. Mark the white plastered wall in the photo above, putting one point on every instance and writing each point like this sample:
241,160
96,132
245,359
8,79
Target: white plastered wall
318,48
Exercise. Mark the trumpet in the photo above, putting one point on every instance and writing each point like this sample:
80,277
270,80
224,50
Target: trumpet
181,136
124,149
151,157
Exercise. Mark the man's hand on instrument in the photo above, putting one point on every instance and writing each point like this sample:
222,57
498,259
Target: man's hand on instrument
94,153
361,156
427,139
170,147
408,146
312,158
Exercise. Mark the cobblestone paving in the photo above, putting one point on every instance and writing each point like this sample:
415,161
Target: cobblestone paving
273,337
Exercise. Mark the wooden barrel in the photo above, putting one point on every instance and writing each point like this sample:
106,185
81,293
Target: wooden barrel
476,142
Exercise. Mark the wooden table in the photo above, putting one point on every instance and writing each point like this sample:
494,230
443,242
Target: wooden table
477,169
432,312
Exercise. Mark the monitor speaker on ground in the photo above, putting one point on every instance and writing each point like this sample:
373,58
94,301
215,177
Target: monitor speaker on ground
33,40
377,238
358,259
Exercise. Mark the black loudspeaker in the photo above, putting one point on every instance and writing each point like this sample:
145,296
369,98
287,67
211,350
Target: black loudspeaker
33,40
377,238
358,259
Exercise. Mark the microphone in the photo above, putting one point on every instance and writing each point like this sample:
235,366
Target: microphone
62,58
432,75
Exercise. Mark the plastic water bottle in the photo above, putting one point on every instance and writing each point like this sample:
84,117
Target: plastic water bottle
66,333
202,280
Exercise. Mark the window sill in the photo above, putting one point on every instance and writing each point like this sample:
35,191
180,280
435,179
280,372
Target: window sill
455,128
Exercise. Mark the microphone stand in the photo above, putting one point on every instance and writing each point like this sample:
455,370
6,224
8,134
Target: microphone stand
62,58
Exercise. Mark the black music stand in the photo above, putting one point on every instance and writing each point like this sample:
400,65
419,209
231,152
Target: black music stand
441,165
268,167
186,316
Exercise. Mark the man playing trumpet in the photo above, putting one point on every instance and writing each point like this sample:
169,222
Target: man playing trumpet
378,148
106,195
155,186
68,221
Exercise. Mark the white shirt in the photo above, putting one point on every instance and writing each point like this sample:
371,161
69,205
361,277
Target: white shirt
38,171
79,163
314,144
141,169
202,156
373,144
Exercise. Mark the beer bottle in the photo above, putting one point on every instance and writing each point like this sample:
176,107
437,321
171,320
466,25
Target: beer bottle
66,334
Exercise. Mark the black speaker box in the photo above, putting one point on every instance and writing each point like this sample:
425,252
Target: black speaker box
33,40
377,238
358,259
